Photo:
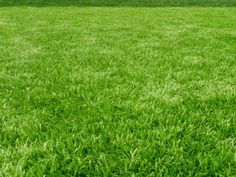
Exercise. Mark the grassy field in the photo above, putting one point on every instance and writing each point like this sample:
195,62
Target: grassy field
111,91
131,3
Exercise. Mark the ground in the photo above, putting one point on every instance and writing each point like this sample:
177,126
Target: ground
117,91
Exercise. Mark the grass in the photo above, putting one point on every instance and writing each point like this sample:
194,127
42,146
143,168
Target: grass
106,91
121,3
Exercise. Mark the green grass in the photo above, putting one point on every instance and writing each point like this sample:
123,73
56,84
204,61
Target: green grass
105,91
132,3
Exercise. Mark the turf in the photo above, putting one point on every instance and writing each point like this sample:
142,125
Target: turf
107,91
121,3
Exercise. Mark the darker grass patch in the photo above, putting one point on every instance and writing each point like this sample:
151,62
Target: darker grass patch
121,3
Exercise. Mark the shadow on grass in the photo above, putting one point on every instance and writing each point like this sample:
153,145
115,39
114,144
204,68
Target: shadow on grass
120,3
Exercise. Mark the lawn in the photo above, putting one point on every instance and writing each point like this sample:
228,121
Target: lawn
117,91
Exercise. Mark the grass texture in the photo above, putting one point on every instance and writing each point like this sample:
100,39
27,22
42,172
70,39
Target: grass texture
131,3
106,91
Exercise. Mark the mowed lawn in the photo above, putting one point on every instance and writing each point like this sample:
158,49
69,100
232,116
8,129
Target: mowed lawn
108,91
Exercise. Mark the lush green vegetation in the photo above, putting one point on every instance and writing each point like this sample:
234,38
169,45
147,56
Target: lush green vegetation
105,91
149,3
